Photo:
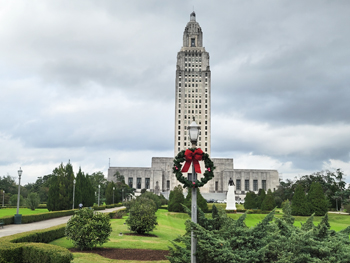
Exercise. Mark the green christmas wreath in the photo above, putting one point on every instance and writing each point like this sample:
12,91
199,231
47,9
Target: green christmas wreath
183,157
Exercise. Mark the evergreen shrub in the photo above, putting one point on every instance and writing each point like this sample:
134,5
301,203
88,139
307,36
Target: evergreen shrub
300,206
317,200
87,229
201,202
176,199
142,215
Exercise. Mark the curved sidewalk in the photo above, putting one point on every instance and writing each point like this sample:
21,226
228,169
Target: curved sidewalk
12,229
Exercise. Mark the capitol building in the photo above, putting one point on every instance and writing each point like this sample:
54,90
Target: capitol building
193,101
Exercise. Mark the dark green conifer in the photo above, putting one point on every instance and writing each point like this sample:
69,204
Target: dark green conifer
317,200
260,198
269,202
250,200
176,199
201,202
300,206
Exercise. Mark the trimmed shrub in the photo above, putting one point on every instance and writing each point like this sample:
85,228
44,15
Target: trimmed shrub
260,198
153,197
87,229
142,215
269,202
176,199
317,200
201,202
101,207
250,200
13,248
300,205
32,201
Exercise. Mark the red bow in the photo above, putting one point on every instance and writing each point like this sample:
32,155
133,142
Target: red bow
193,157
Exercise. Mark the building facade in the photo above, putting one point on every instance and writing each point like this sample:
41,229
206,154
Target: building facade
193,89
192,85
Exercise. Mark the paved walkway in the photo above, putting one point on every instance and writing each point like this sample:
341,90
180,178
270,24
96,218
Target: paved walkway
12,229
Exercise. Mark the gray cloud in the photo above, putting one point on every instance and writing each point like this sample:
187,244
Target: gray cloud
95,80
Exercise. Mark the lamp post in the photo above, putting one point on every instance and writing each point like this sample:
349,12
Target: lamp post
19,187
99,191
193,132
3,198
113,194
73,192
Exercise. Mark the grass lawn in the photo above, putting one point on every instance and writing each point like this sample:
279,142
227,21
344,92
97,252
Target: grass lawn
170,225
23,211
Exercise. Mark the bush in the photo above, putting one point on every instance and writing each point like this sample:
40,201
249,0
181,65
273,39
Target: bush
269,202
201,202
142,215
250,200
153,197
300,205
87,229
176,199
32,201
13,200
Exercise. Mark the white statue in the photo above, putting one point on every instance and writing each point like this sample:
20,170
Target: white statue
231,198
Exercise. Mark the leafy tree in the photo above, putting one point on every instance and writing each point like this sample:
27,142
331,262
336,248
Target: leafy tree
87,229
250,200
142,215
32,201
201,202
176,199
300,205
316,200
13,200
260,198
8,184
269,202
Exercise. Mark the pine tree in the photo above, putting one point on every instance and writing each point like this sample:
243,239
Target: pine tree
250,200
317,200
260,198
269,202
79,185
201,202
176,199
53,194
300,205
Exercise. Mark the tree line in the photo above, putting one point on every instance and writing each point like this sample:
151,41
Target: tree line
56,189
316,193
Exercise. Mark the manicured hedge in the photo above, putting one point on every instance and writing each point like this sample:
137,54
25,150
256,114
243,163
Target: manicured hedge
102,207
42,206
111,214
38,217
15,249
45,216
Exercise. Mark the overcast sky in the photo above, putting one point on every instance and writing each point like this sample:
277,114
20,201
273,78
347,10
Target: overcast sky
91,80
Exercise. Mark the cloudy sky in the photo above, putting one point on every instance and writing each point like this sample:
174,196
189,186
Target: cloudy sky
91,80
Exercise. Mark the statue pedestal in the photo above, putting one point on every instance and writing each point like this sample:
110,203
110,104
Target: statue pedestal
231,198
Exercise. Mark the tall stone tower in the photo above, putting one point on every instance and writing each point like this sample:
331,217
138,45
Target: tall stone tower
192,89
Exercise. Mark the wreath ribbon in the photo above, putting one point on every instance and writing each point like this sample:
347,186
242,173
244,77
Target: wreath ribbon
193,157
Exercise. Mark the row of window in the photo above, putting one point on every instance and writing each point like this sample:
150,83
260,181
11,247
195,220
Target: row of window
246,185
200,74
193,59
138,182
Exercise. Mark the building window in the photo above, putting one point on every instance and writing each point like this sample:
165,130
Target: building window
147,183
238,184
255,185
263,182
168,184
193,42
130,182
246,185
138,184
216,186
